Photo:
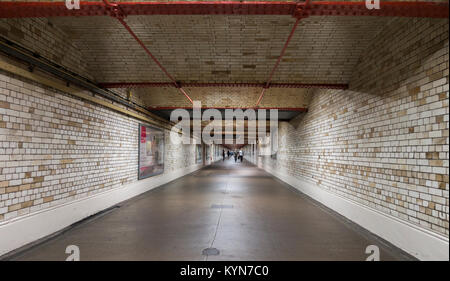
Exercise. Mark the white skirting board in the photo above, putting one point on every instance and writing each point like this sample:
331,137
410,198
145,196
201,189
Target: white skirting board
417,241
23,230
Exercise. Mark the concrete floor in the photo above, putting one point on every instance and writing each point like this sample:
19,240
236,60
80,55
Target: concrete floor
242,211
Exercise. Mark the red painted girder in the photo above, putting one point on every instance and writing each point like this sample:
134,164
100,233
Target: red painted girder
200,85
323,8
116,12
279,58
56,9
127,27
261,96
163,69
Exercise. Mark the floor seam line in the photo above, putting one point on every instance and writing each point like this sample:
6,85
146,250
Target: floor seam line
220,218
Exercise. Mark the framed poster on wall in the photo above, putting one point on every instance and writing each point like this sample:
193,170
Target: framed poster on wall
198,153
151,151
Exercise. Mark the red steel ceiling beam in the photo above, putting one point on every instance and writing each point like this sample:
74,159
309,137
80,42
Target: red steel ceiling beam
202,85
299,14
115,11
322,8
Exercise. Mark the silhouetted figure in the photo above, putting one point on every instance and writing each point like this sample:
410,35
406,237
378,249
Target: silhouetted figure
241,155
223,155
235,156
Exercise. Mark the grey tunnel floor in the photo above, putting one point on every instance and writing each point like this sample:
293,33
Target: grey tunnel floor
242,211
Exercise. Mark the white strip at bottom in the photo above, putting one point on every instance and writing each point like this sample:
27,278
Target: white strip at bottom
417,241
23,230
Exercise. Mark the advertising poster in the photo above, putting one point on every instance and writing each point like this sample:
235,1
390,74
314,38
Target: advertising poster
151,151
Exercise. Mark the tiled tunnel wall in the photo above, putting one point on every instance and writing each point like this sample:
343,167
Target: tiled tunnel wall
384,143
55,148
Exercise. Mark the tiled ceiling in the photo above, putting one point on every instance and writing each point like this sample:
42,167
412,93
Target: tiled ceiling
218,48
221,49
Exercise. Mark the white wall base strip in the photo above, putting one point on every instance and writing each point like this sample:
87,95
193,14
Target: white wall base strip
418,242
18,232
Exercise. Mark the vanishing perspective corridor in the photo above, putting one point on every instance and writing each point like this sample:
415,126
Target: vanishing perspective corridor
236,208
239,131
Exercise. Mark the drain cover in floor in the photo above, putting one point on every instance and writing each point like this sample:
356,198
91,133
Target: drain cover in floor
220,206
210,252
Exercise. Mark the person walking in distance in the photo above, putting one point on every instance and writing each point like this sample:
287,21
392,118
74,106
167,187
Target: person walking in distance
241,155
223,154
235,154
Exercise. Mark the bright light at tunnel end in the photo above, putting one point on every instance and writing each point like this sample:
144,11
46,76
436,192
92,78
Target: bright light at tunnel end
240,126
